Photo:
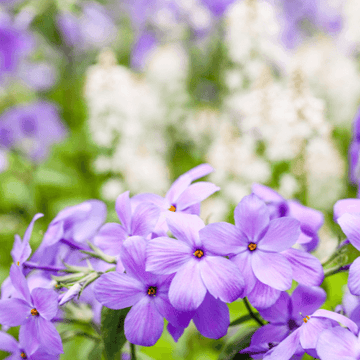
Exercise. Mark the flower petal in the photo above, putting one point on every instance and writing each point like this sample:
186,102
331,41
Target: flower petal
45,302
166,255
263,296
243,262
305,300
354,277
222,278
53,234
48,336
286,349
280,312
212,317
349,224
251,217
123,210
29,229
281,234
110,238
175,332
272,269
144,219
351,206
306,268
185,227
223,239
308,217
28,335
187,290
143,324
265,193
338,343
14,312
8,343
195,193
118,291
310,331
148,197
19,282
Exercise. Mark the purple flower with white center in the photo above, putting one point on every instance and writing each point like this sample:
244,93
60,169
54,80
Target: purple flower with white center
308,334
140,222
19,351
338,343
311,220
182,197
285,316
255,244
146,293
197,269
34,313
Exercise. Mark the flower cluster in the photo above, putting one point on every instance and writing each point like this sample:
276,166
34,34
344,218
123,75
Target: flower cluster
170,264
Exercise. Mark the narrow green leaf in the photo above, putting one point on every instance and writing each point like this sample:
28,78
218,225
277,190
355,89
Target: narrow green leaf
112,332
242,319
95,353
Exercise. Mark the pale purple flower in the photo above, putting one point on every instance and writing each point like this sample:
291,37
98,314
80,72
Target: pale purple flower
146,293
261,248
217,7
34,313
197,269
144,45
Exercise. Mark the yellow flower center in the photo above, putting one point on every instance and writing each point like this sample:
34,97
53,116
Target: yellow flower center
34,312
152,290
306,319
199,253
252,246
172,208
23,355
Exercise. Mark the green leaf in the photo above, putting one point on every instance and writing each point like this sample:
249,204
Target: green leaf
112,332
236,343
242,319
95,353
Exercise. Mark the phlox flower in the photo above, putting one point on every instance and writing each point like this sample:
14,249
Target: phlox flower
146,293
197,269
34,313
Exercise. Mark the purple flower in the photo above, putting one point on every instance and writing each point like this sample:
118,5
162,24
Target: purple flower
140,222
338,343
311,220
217,7
350,307
308,334
146,293
19,351
343,206
285,316
144,45
197,269
34,313
182,197
354,171
255,244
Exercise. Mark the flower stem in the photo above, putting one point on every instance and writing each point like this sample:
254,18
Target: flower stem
252,314
132,349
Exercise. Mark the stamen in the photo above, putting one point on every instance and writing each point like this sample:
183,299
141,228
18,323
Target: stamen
34,312
18,263
252,246
199,253
306,319
172,208
23,355
152,290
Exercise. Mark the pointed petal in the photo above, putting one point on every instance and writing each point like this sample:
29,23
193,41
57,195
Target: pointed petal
118,291
223,239
8,343
286,348
144,219
185,227
45,302
263,296
280,312
148,197
269,334
354,277
305,300
338,343
308,217
351,206
123,210
110,238
272,269
19,282
195,193
243,262
143,324
281,234
14,312
212,318
29,230
187,290
49,337
306,268
349,224
222,278
28,335
251,217
166,255
309,332
265,193
175,332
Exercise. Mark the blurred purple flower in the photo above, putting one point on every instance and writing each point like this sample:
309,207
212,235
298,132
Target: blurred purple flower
144,45
34,313
146,293
217,7
197,269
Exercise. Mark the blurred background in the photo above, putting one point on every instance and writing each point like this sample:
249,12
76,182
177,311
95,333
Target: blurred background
100,97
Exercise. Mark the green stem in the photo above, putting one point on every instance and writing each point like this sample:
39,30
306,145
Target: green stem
132,349
251,313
